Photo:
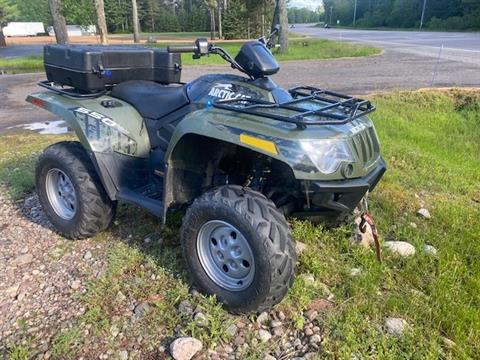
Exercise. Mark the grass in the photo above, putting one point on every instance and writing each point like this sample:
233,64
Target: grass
430,142
300,49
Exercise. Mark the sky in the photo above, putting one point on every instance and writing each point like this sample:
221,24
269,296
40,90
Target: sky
311,4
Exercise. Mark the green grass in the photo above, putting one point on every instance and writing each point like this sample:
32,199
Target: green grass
300,49
430,141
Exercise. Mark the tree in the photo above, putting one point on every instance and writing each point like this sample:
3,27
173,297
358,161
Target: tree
234,20
280,17
59,23
211,5
102,24
8,12
136,29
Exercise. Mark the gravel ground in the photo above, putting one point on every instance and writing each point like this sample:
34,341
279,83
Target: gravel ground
42,276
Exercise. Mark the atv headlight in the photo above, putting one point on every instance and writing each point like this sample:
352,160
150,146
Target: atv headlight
327,155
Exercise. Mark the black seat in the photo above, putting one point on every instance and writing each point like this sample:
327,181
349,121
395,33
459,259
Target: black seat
152,100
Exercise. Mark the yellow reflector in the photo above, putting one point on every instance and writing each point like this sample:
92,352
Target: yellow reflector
259,143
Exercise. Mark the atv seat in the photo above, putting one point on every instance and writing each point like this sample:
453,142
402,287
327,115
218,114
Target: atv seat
152,100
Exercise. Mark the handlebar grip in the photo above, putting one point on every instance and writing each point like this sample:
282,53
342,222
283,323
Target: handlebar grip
182,48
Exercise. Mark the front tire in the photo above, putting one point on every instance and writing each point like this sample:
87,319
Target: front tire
238,247
70,191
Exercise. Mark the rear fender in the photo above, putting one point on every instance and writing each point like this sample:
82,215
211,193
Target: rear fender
102,130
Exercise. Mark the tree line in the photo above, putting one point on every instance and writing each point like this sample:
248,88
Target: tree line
437,14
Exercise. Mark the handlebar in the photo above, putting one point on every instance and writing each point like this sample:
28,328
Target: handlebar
182,48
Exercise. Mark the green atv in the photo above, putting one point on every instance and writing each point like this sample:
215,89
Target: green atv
238,153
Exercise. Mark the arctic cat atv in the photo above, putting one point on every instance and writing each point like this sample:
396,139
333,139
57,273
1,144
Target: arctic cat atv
238,153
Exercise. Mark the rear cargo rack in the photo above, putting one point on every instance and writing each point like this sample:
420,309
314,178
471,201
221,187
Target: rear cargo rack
70,91
327,107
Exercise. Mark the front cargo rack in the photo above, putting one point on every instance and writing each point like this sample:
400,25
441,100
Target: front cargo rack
329,108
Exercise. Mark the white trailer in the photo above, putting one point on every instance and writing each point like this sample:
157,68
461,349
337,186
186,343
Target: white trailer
75,30
23,29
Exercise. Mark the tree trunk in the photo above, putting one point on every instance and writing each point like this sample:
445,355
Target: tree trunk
220,35
283,18
59,23
3,43
212,23
136,28
102,24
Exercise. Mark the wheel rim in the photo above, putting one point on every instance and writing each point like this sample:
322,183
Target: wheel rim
61,193
225,255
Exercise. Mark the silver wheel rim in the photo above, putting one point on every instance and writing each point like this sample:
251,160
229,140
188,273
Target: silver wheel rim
61,193
225,255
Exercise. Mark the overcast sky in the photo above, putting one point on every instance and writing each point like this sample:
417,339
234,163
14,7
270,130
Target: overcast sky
311,4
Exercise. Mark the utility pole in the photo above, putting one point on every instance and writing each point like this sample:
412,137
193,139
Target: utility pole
331,11
354,13
423,13
59,23
102,24
136,29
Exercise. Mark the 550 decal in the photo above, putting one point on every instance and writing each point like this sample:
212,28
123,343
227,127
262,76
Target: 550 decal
103,134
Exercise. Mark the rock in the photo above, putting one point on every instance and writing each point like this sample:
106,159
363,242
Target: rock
424,213
185,348
120,297
311,314
308,278
75,285
200,319
231,330
413,225
275,323
365,239
278,331
315,339
264,335
22,260
269,357
430,250
185,307
123,355
448,343
401,248
395,326
114,331
239,340
87,256
12,291
281,316
263,318
355,271
300,247
308,332
141,309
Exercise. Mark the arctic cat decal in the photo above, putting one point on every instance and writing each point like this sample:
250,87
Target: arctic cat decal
226,92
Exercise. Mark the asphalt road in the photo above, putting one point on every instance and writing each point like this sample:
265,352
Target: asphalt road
410,61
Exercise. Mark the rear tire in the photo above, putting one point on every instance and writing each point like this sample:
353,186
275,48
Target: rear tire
248,215
71,193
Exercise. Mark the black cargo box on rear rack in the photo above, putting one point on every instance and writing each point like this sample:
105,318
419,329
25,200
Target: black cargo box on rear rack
91,68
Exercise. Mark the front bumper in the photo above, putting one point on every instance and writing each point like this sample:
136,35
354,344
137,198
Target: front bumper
342,196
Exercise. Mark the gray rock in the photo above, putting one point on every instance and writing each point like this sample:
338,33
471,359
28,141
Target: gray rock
300,247
275,323
22,260
200,319
308,332
12,291
309,278
401,248
185,348
424,213
278,331
123,355
263,318
395,326
185,307
75,285
114,331
231,330
264,335
430,250
315,339
88,255
141,309
355,271
311,314
269,357
413,225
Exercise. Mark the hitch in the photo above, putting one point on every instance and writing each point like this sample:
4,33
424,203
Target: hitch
367,218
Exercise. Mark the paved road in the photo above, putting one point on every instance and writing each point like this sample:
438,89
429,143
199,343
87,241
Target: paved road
405,64
13,51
